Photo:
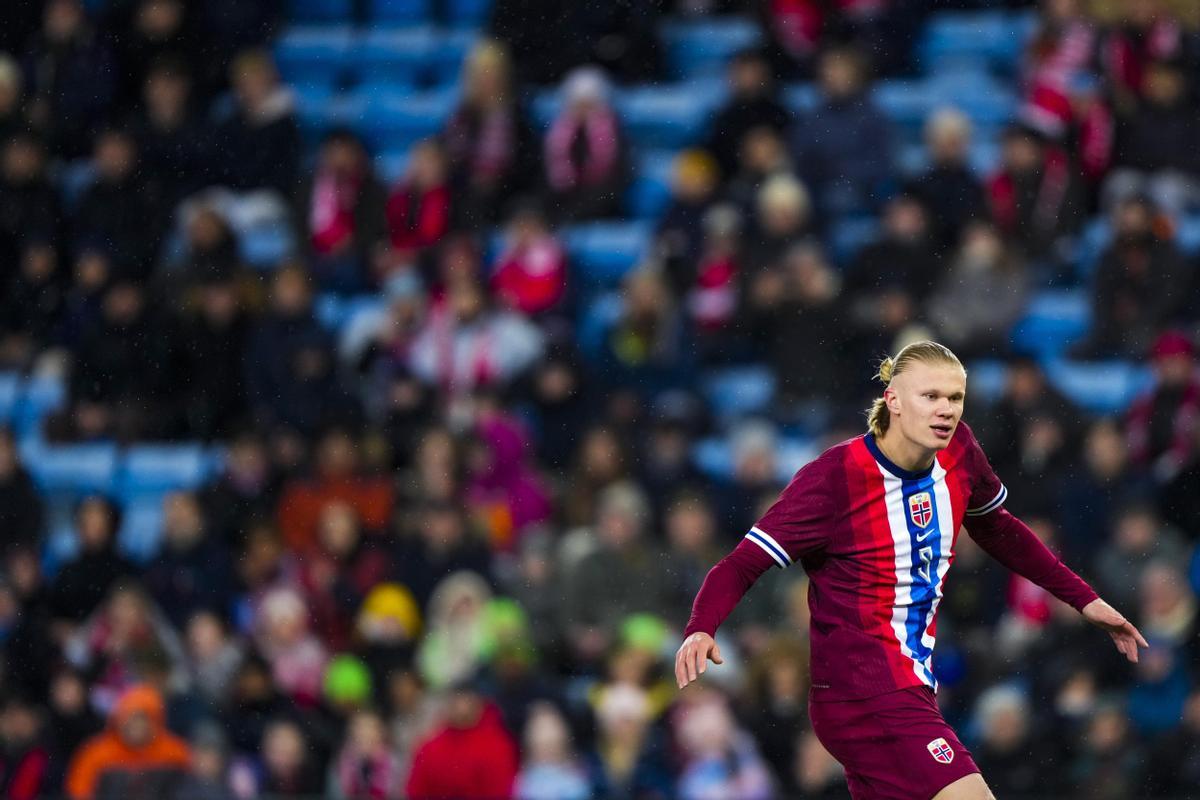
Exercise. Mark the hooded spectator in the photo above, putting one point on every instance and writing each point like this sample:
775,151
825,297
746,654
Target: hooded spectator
135,749
585,150
260,138
530,274
1161,424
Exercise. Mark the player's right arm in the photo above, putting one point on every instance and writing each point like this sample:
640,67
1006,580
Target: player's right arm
796,524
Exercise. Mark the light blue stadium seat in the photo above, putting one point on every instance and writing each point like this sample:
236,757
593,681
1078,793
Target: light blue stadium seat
265,246
317,113
801,98
1187,235
141,533
650,193
603,252
740,391
158,468
400,12
313,11
468,13
849,235
10,396
73,468
704,46
391,122
394,59
1106,387
1089,246
1053,320
598,317
316,56
974,40
39,396
714,457
334,312
444,64
666,116
986,380
390,166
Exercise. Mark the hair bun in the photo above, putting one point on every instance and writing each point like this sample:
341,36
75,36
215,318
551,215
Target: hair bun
885,369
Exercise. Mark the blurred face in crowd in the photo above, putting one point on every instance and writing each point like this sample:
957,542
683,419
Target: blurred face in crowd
1163,590
982,249
841,74
338,529
127,614
1025,383
94,523
1174,370
367,732
487,75
183,522
123,304
467,300
427,165
19,724
645,295
336,455
39,262
763,150
8,455
254,80
283,748
1021,153
343,156
10,87
136,730
948,139
1104,450
159,19
23,160
443,526
1164,85
290,295
219,303
166,95
690,526
749,77
547,740
1005,727
1134,221
1107,730
63,20
600,457
618,526
707,730
1136,531
205,636
905,220
207,230
809,276
526,227
463,709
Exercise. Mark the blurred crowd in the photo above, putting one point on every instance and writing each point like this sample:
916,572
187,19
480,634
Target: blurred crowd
452,548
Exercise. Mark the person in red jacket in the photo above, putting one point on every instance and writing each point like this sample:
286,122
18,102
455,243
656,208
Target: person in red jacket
531,272
470,757
418,209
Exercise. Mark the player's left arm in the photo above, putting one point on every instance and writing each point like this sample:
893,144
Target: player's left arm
1011,542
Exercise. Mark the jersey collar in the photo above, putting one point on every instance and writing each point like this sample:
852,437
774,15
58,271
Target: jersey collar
886,463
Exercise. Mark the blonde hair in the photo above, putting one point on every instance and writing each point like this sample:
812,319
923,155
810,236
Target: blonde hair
925,352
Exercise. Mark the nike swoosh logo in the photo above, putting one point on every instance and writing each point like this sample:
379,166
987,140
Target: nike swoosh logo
927,533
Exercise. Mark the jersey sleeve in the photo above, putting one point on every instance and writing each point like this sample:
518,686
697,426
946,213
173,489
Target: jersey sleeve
799,522
987,492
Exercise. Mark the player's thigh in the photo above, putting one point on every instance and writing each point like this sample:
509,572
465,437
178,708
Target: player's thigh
968,787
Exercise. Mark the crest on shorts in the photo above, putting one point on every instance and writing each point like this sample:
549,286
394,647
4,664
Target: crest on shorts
940,751
920,509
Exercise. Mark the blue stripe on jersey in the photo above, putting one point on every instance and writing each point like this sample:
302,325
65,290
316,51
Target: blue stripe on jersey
924,570
780,556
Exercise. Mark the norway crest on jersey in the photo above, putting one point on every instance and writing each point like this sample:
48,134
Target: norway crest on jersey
941,751
920,509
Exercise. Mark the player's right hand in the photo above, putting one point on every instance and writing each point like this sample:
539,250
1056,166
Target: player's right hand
693,657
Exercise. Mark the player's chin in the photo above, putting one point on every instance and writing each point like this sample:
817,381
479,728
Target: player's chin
940,435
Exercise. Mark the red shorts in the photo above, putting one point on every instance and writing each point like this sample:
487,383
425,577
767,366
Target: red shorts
894,746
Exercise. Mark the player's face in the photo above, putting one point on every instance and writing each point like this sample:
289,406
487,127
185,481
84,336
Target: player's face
927,402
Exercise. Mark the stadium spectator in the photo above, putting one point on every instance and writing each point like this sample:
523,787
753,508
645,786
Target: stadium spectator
340,209
85,580
694,185
1108,762
259,137
762,154
1153,152
208,773
290,370
1161,423
1006,732
983,293
949,189
22,511
29,205
1137,538
419,208
467,344
628,756
777,691
1027,394
1172,769
133,755
470,756
297,658
366,768
172,138
32,306
550,770
214,656
489,145
585,150
287,768
11,100
24,757
782,218
1035,195
502,490
753,104
154,29
719,757
1143,32
192,570
453,648
72,78
530,275
843,146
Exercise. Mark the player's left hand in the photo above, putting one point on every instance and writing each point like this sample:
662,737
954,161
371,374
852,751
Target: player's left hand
1124,635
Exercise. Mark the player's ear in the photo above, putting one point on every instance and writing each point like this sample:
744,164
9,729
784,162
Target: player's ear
891,400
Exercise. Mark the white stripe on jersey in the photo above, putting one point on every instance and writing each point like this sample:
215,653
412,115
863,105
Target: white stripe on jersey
990,505
769,546
902,545
941,496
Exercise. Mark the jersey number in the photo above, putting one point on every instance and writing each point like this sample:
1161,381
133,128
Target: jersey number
926,554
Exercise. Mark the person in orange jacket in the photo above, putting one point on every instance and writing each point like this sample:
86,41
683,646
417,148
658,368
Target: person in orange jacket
136,740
